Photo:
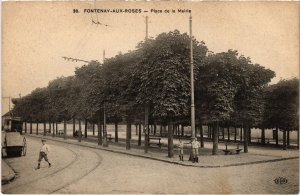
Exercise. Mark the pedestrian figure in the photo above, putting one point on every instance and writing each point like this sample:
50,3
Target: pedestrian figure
43,153
180,146
195,146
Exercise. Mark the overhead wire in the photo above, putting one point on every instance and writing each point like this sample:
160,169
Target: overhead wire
84,38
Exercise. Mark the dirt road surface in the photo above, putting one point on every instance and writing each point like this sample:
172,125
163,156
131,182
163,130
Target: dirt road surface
77,169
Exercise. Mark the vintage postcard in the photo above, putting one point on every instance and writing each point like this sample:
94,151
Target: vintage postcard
150,97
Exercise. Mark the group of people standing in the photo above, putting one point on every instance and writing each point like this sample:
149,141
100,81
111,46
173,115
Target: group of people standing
195,150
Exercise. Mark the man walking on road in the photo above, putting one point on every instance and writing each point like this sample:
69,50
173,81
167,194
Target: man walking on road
43,153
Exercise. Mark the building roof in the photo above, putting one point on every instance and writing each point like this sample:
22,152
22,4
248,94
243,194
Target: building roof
8,114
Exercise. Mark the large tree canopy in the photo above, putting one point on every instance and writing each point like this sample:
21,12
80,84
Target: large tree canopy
229,87
282,105
163,73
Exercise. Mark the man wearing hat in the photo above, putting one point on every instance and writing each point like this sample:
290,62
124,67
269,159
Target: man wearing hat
43,153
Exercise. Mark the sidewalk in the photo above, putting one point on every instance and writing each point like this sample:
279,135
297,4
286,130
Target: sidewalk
206,160
7,173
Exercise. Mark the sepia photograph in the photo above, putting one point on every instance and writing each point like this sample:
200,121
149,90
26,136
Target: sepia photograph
150,97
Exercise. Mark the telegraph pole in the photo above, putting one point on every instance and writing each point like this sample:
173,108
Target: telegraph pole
105,143
146,28
192,84
192,93
146,105
103,55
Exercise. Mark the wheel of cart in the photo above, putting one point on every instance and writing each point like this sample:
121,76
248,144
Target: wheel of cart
24,150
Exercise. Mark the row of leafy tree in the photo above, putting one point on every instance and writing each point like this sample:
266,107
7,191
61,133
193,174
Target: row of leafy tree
229,91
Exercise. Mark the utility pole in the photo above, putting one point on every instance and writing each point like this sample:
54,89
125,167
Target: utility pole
192,84
146,28
192,90
105,143
103,55
147,104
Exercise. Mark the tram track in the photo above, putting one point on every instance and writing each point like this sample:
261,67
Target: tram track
76,157
43,184
80,178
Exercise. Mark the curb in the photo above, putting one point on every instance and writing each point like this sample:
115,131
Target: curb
11,173
168,161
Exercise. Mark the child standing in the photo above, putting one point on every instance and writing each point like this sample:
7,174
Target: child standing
180,146
195,147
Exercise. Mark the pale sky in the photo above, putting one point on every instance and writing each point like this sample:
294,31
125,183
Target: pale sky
35,35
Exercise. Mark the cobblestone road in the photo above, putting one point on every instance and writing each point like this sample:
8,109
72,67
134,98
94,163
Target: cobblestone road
84,170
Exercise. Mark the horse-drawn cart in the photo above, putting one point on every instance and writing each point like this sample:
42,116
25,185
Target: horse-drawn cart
13,142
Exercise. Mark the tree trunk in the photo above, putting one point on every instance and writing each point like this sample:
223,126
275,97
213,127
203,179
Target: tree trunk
37,128
45,129
228,134
136,129
284,139
116,132
154,129
30,127
74,126
215,136
151,127
50,127
128,134
201,136
160,130
246,134
174,130
105,143
249,137
276,136
146,128
263,137
56,129
288,138
93,128
223,133
182,130
79,133
298,138
241,133
65,129
85,128
140,135
235,132
170,139
53,130
25,127
99,133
